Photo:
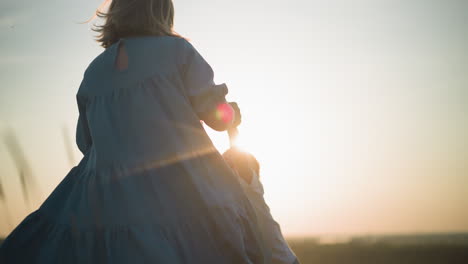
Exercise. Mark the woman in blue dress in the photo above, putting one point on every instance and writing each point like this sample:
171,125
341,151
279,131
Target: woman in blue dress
151,187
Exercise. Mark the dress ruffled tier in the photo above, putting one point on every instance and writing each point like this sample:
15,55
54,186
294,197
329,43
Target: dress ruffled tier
125,218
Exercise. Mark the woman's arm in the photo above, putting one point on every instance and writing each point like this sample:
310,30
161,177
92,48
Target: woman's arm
223,117
207,98
83,136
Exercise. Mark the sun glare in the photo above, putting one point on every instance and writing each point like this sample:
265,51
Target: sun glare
240,143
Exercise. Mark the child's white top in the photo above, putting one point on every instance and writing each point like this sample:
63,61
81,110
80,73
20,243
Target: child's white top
270,229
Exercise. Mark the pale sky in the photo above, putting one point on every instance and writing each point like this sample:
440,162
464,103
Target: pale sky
357,110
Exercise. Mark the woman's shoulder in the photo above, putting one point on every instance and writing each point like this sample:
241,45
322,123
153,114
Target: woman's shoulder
179,40
162,46
150,53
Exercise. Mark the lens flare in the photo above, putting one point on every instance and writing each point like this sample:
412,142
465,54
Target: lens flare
225,113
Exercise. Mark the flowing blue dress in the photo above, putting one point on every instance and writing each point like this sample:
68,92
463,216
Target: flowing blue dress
151,187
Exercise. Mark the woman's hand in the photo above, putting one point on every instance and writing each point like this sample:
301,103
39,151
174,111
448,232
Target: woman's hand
237,117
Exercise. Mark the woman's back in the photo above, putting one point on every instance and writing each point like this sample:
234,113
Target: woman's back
142,113
151,187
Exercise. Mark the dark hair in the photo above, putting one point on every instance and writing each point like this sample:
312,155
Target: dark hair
126,18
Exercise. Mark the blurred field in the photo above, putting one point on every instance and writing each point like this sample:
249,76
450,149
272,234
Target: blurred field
429,249
380,254
437,249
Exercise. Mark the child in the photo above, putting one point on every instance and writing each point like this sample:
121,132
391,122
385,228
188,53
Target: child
247,168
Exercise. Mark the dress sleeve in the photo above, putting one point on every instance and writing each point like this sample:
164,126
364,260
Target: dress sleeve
83,136
198,75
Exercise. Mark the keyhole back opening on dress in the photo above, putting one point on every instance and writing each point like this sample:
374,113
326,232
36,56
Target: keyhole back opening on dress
121,60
